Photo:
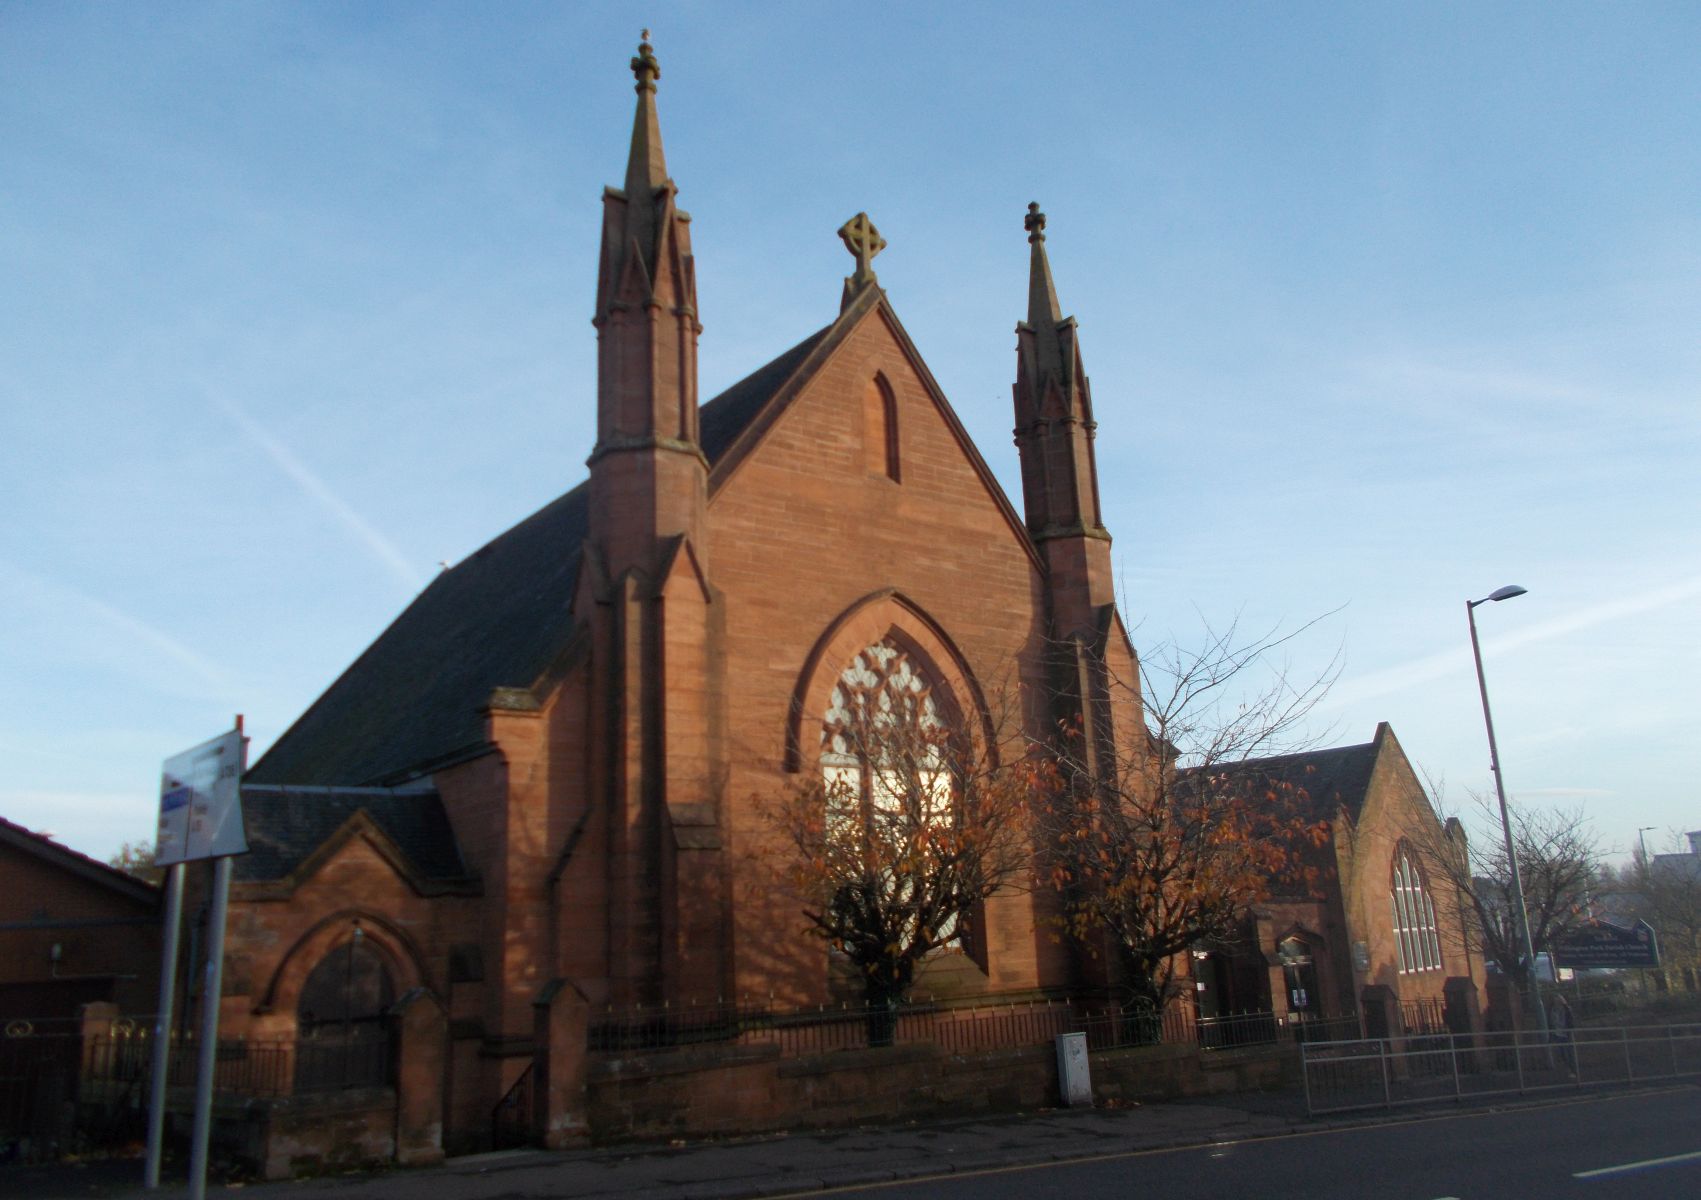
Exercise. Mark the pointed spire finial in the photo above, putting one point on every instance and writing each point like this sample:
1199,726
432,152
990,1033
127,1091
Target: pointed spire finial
645,66
1043,310
864,242
1034,223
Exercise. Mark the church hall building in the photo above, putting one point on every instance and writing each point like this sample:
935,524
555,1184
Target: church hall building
536,795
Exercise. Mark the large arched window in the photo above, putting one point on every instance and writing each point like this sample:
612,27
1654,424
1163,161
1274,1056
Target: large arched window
1417,941
883,740
886,771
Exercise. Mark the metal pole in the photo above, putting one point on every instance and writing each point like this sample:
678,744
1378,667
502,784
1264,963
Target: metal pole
206,1059
162,1023
1520,911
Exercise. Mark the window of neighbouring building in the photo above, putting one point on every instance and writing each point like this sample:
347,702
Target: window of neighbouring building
1417,940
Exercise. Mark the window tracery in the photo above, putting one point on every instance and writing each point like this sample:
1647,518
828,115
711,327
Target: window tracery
885,765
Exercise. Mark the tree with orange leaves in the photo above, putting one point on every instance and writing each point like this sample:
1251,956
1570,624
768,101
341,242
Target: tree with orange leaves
1166,843
914,820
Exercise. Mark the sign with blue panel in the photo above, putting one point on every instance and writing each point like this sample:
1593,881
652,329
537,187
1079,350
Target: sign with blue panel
200,803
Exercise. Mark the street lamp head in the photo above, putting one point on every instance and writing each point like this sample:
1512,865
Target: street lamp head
1499,594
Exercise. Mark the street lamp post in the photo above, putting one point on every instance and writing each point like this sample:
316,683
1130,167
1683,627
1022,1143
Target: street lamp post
1646,871
1520,910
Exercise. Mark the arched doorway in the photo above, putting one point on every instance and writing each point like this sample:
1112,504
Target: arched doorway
1299,977
344,1036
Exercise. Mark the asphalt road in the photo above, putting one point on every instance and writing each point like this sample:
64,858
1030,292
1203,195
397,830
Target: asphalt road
1646,1147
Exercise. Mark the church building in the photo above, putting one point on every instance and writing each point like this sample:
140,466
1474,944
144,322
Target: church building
544,774
537,793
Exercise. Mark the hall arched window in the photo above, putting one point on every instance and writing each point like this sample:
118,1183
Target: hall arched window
886,765
343,1032
1417,940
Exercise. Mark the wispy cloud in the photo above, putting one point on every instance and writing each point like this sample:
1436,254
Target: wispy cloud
1441,664
317,490
58,598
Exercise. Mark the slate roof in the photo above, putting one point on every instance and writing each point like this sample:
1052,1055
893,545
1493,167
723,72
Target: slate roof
721,420
497,619
286,825
1334,778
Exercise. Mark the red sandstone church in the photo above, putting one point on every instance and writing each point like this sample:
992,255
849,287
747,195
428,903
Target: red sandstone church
534,794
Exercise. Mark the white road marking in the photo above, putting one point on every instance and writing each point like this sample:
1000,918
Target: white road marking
1623,1168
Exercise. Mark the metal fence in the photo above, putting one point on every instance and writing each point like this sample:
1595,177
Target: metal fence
1384,1073
796,1032
39,1064
64,1087
511,1119
958,1028
243,1067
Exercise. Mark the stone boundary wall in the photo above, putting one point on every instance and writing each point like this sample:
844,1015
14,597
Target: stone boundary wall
699,1093
307,1135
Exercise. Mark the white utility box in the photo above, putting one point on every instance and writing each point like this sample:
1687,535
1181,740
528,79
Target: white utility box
1074,1075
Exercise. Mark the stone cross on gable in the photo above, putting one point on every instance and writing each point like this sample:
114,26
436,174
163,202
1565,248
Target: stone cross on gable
864,242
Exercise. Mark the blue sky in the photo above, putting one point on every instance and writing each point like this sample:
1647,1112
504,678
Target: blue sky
1384,307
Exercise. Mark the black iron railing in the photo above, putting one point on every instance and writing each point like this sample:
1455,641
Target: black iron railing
958,1027
362,1057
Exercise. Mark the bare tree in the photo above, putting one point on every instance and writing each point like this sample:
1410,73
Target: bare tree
1168,840
1669,886
1559,863
914,820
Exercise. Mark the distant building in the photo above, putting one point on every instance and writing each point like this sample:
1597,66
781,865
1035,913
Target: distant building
73,931
1383,938
1680,864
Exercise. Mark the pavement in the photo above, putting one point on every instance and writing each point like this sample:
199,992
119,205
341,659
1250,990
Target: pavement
767,1166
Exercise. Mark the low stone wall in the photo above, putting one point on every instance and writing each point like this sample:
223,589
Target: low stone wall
1178,1072
306,1135
698,1093
693,1093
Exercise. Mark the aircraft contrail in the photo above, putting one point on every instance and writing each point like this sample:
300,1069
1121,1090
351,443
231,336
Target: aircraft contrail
317,489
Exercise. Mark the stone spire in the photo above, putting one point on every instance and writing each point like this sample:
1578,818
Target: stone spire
646,579
646,165
646,314
1043,310
648,473
1054,408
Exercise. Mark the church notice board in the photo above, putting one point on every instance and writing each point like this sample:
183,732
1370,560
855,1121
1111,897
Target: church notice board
1597,945
200,803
